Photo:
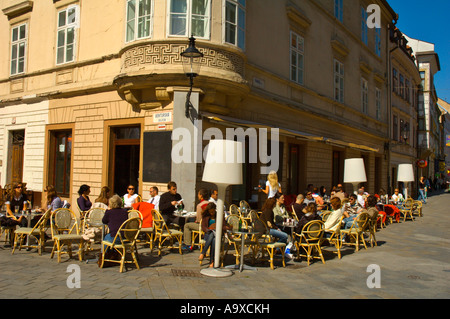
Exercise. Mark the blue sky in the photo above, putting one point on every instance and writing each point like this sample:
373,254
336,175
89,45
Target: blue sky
429,21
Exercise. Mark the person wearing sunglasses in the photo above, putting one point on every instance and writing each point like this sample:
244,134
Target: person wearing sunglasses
130,197
16,201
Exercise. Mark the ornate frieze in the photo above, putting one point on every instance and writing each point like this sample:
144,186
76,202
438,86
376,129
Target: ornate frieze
154,54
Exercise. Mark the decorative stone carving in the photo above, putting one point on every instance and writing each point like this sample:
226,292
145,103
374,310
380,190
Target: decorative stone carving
169,53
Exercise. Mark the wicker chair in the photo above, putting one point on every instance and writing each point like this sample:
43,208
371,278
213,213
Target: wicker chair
163,233
336,238
124,242
65,231
372,229
406,210
38,232
355,233
234,210
417,208
310,239
325,214
93,220
268,244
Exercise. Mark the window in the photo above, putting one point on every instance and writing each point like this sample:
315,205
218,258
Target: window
395,128
407,91
67,23
235,22
138,19
189,17
378,103
402,86
297,59
18,48
364,95
422,77
394,81
339,10
378,41
338,81
60,161
363,25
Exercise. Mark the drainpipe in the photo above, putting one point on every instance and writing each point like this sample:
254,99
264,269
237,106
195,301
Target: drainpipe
389,96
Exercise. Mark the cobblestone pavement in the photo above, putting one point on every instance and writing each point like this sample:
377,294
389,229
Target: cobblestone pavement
413,257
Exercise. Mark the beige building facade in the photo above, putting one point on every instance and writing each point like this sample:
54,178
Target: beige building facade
105,93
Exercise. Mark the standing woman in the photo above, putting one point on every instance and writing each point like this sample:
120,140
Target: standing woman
422,190
84,203
272,185
130,197
16,198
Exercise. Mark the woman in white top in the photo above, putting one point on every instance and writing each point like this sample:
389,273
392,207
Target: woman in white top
272,185
130,198
333,219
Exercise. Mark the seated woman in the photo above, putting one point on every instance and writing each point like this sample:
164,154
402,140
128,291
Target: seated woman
130,197
311,214
15,199
279,210
103,199
114,218
209,228
267,217
84,203
332,222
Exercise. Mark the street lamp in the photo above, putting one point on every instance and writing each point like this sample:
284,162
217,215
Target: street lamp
191,66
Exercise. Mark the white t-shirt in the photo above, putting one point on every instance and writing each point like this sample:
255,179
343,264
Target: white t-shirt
272,191
333,220
154,201
129,200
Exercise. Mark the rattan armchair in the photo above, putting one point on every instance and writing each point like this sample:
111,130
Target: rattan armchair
355,234
406,210
162,233
65,231
336,238
38,232
310,240
124,242
234,210
267,243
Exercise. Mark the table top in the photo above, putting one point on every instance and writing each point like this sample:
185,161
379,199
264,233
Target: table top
240,232
185,213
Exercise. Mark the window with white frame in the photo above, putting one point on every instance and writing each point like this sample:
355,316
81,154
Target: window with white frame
18,48
338,81
364,95
66,34
339,10
139,19
189,17
297,49
364,25
378,41
235,22
378,104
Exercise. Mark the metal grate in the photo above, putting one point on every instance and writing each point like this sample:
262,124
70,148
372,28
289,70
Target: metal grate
185,273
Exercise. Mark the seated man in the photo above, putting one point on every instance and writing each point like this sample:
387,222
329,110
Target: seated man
168,202
299,206
154,197
397,197
351,210
309,198
203,196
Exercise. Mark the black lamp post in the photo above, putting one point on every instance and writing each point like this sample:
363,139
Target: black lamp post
191,66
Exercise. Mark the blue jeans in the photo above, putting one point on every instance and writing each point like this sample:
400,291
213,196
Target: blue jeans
348,222
110,239
210,240
282,236
422,195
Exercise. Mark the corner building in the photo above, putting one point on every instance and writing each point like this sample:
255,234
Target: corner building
96,88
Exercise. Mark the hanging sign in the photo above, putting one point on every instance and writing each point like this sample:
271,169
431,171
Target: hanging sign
422,163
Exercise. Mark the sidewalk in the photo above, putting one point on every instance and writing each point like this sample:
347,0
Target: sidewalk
413,258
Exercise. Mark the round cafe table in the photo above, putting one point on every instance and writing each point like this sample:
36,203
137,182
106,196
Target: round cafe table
241,265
